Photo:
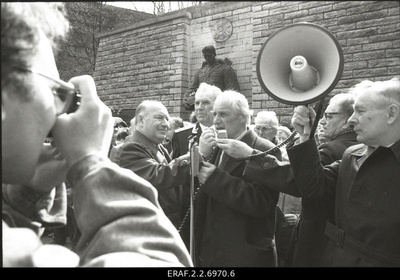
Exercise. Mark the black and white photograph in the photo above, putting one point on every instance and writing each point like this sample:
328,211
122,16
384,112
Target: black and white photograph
201,139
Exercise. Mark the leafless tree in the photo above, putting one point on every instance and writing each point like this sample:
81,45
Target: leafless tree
162,7
78,54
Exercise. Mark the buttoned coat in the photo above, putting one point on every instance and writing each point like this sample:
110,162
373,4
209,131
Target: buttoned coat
153,163
363,197
237,214
308,239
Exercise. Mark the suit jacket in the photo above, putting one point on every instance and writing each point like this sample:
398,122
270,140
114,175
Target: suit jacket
153,163
235,216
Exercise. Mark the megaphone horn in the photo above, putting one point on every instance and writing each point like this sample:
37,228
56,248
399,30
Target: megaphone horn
299,64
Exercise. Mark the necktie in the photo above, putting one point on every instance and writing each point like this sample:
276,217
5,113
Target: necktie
161,155
223,161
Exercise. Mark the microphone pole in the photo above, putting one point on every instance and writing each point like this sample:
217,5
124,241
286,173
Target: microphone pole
194,171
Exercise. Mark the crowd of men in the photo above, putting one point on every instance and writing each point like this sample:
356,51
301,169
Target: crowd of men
133,210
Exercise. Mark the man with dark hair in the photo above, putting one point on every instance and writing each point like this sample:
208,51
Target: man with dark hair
215,72
309,240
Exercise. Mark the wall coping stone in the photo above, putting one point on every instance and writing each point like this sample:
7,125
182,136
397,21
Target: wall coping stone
183,13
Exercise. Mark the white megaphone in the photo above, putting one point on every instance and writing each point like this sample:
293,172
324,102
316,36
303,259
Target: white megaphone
303,77
299,64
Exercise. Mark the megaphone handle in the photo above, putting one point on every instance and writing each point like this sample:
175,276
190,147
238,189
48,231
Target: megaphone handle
317,117
307,129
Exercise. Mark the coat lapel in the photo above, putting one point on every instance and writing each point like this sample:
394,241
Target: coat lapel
154,150
249,138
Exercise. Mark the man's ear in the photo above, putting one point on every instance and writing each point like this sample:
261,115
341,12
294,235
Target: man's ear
140,120
243,119
393,112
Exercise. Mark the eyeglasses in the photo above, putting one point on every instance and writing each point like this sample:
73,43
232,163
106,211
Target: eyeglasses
329,115
68,99
262,128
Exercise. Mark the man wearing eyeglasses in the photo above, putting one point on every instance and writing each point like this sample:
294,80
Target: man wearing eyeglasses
117,212
309,241
288,210
360,193
266,125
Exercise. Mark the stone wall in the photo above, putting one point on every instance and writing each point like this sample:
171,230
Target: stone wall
156,58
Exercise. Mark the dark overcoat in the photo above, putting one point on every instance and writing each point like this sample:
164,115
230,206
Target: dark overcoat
153,163
364,194
235,216
308,241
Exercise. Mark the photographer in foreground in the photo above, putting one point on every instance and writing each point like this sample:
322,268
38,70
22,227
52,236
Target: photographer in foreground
117,212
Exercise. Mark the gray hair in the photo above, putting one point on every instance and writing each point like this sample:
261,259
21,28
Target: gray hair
387,92
267,116
206,88
237,101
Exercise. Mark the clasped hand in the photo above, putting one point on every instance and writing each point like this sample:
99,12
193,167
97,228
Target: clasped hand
207,142
302,119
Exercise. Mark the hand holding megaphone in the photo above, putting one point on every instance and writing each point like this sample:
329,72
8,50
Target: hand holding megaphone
302,120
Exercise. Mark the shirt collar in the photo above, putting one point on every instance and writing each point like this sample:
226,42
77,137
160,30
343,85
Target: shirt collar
203,127
396,149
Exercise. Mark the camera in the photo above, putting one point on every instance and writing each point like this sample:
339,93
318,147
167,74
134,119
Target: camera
73,102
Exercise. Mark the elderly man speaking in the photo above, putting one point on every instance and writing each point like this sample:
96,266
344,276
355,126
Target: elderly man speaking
235,217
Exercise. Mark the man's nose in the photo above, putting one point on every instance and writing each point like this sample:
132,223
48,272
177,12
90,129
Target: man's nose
352,119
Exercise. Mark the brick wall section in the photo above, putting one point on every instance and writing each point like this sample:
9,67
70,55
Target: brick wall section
368,32
157,58
148,60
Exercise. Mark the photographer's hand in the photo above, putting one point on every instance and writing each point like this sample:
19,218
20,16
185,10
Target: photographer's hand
88,130
51,170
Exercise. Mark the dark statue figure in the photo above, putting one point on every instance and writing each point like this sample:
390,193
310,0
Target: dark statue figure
213,71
